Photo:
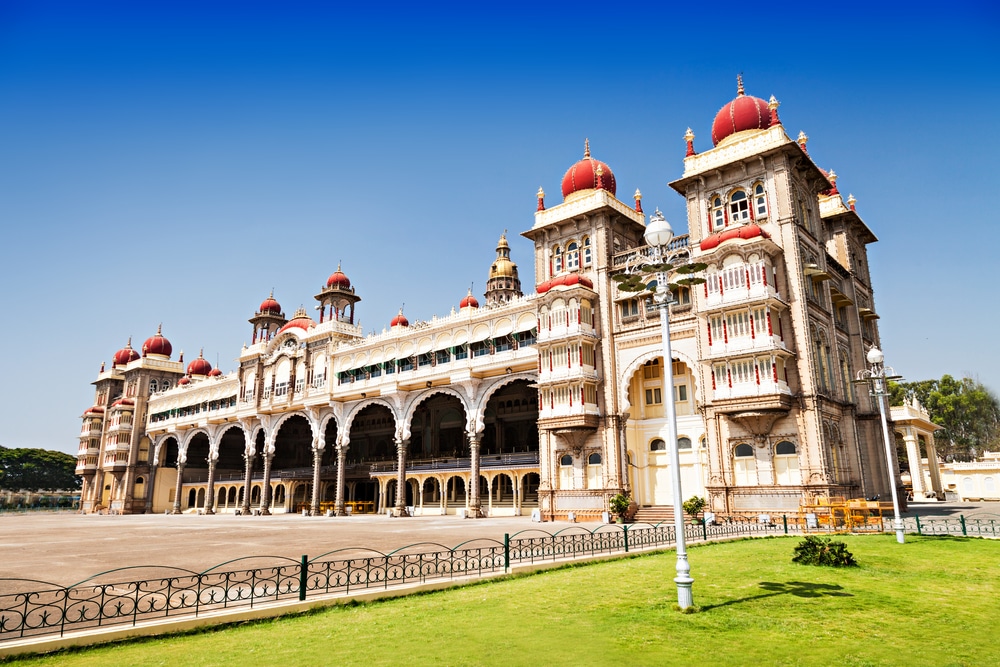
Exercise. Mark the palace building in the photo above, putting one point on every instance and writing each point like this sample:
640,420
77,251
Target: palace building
551,399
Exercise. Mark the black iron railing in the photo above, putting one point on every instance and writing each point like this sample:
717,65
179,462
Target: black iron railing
32,608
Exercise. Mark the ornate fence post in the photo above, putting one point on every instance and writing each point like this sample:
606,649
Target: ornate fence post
961,517
625,533
303,576
784,521
918,525
506,553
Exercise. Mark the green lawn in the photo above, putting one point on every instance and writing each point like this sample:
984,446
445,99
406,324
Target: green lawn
932,601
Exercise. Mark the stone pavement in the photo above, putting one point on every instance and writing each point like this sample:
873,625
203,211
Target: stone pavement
66,548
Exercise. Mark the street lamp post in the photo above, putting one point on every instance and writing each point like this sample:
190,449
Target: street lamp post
658,236
876,377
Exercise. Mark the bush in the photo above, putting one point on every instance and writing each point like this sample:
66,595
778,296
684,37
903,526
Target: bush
619,504
693,505
821,551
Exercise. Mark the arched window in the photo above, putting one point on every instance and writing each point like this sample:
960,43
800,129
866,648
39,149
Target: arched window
594,459
718,213
152,386
657,446
703,443
759,201
968,486
165,386
744,465
586,251
683,443
566,460
566,472
786,463
557,260
572,256
989,485
739,207
594,471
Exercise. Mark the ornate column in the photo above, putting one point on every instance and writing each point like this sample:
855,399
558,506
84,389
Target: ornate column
152,479
213,458
249,454
265,487
343,443
181,460
916,467
318,445
401,445
474,506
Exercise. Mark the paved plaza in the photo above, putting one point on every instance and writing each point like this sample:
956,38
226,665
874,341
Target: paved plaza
66,548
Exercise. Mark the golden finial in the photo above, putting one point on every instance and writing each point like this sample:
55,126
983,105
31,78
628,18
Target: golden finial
851,201
773,103
541,193
832,177
638,195
689,135
739,84
600,170
586,148
159,329
201,353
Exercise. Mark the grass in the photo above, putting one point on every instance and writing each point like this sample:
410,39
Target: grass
931,601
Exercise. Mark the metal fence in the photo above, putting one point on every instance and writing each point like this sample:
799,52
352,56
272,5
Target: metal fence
32,608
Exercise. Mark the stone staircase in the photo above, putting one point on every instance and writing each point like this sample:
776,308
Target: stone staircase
655,514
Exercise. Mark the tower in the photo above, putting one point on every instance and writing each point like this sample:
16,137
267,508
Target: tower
267,320
503,283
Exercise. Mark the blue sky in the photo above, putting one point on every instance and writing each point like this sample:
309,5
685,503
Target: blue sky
173,162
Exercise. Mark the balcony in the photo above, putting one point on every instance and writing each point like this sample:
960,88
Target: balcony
745,344
486,461
741,295
752,389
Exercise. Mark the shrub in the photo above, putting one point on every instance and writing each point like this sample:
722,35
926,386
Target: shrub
822,551
693,505
619,504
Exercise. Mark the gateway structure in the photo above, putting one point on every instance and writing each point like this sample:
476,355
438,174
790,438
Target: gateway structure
551,400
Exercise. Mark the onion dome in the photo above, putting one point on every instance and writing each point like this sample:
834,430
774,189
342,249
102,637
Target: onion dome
199,366
300,320
125,355
566,280
502,266
157,346
742,232
184,381
269,305
214,373
400,320
469,301
743,113
338,279
588,174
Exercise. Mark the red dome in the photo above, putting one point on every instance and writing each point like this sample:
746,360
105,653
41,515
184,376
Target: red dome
399,321
125,355
157,345
95,410
183,381
214,373
269,305
469,301
567,280
338,279
199,366
299,321
744,113
583,175
741,232
123,402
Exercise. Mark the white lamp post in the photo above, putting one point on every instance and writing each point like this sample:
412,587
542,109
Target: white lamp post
658,236
876,377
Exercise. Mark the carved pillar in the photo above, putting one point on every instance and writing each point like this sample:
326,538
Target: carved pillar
401,445
265,487
342,446
152,482
213,458
916,467
249,454
319,442
180,487
474,506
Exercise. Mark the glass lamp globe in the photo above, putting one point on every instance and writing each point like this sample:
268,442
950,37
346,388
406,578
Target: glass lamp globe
658,231
875,356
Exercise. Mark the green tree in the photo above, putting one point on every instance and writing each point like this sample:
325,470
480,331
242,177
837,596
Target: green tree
37,470
967,411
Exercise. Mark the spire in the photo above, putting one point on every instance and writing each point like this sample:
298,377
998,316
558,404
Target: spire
638,201
541,200
832,177
739,85
586,148
801,140
773,104
851,201
689,138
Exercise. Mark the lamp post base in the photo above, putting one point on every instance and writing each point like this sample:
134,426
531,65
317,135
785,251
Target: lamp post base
898,525
685,599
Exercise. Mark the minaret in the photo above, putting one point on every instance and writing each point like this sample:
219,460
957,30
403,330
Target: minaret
267,320
503,283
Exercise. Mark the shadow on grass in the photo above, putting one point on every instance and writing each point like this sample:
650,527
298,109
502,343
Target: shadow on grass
800,589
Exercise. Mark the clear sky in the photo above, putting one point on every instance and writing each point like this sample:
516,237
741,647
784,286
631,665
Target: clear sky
173,162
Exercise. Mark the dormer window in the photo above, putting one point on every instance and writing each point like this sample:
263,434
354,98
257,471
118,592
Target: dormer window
572,256
739,207
718,213
759,201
